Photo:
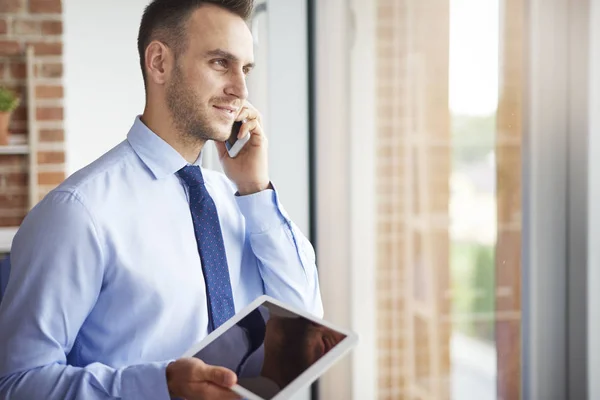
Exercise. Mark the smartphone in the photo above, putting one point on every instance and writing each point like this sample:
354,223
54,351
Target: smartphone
233,144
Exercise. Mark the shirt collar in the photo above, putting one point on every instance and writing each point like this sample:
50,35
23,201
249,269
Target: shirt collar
162,159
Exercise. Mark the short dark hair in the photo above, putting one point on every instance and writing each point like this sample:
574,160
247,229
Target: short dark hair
165,20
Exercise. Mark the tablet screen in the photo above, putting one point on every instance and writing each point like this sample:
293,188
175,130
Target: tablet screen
269,348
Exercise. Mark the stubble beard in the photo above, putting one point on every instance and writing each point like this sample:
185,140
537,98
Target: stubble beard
189,119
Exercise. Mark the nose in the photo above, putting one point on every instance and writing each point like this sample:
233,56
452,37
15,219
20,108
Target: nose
237,85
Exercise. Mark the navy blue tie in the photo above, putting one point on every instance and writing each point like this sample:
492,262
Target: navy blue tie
210,246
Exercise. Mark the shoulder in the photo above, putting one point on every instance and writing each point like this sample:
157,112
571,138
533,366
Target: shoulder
109,166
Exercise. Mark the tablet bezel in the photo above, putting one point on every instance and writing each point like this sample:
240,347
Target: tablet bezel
311,374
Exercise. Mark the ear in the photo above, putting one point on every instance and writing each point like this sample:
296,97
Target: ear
159,62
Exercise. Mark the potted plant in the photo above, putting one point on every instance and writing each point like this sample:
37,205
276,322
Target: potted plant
8,102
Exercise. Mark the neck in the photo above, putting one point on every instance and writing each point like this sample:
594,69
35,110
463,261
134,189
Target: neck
271,368
160,121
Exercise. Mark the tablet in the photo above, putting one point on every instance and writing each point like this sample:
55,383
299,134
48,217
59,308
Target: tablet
275,350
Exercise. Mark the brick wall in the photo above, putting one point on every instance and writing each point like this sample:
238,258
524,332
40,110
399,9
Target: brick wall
413,166
509,133
37,23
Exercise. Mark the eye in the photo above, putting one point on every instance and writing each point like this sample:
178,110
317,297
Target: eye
247,70
221,63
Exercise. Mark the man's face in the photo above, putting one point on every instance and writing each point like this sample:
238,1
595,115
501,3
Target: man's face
207,87
319,341
301,343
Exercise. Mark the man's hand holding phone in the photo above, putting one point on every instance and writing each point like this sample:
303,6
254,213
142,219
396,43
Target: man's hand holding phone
191,378
249,168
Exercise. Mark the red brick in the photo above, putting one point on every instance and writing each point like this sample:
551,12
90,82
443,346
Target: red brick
49,114
12,221
45,6
52,27
15,178
26,27
50,178
18,70
19,114
18,128
50,71
52,135
10,6
13,200
3,26
9,48
51,157
49,92
18,88
12,160
47,49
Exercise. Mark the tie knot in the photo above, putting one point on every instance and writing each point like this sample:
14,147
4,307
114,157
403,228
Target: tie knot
192,175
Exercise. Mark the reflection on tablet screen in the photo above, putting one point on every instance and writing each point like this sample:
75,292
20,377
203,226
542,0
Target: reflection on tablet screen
269,348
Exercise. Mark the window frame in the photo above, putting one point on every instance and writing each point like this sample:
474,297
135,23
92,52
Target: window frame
555,190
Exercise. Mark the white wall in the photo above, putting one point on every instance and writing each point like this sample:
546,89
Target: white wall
103,83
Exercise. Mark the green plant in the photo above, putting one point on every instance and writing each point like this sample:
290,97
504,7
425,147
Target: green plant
484,281
474,286
8,100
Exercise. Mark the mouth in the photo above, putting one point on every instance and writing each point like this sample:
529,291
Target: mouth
227,110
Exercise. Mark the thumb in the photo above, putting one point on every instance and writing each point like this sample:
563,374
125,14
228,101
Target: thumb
220,376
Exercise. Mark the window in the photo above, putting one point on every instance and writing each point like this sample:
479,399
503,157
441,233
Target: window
452,147
449,91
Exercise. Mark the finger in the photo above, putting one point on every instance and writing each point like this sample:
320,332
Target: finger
210,391
251,126
244,114
248,112
258,137
220,376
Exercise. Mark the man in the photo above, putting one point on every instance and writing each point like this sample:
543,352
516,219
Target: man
131,260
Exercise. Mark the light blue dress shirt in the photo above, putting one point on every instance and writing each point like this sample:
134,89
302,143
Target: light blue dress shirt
106,286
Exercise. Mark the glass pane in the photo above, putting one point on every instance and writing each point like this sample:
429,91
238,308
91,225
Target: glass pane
449,90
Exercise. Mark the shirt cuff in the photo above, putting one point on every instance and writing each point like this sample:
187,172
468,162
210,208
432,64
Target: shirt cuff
145,381
261,211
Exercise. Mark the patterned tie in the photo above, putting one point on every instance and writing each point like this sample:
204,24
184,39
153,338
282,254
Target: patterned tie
211,248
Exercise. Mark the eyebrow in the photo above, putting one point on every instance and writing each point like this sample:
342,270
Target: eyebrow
228,56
